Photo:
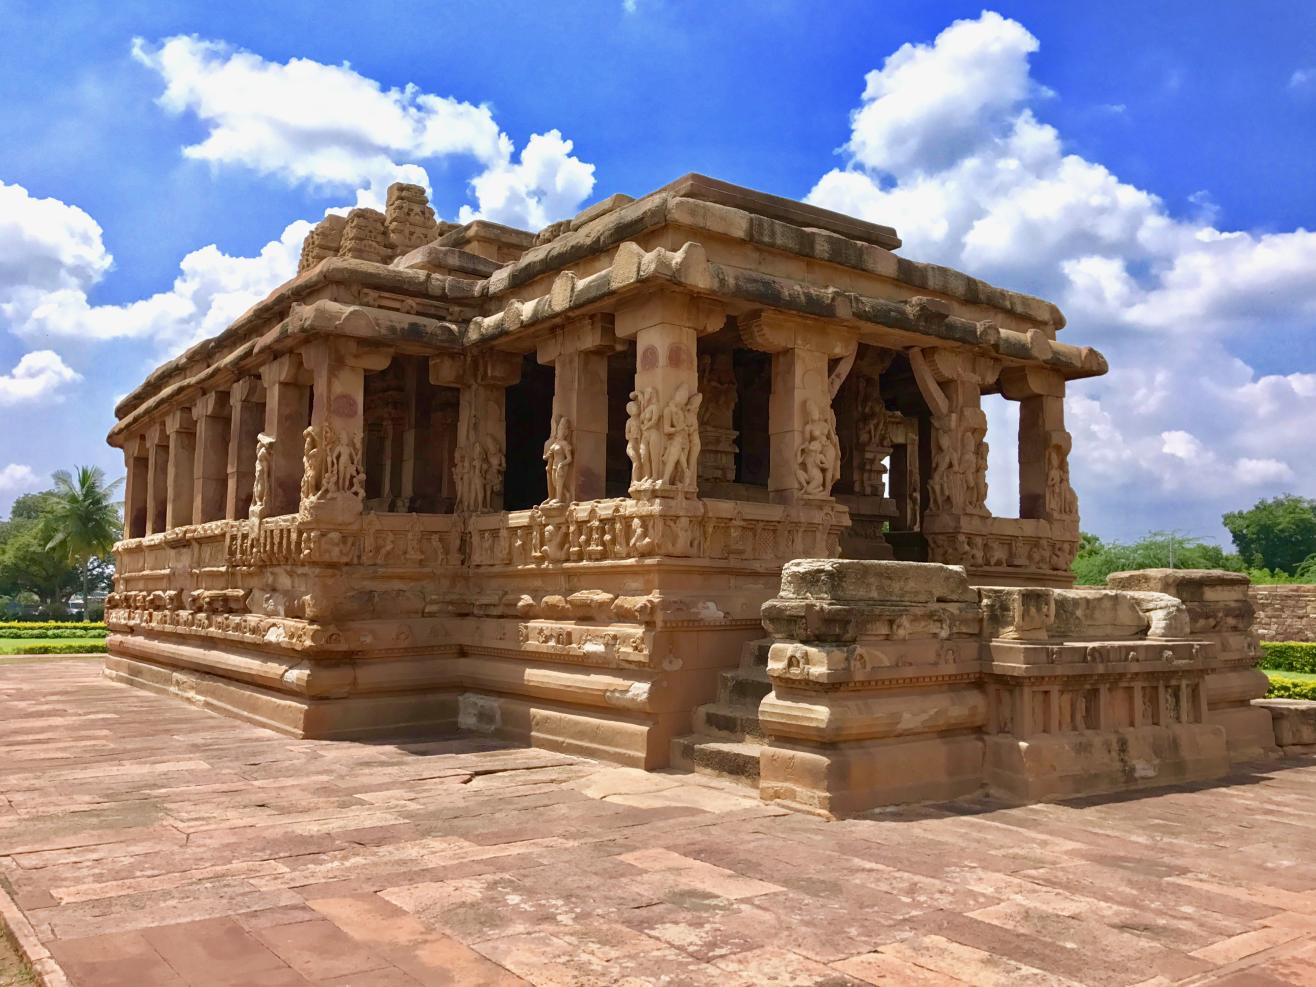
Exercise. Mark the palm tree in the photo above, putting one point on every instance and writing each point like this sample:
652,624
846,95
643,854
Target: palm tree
85,519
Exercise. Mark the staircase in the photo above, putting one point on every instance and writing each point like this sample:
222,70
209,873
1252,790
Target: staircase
727,736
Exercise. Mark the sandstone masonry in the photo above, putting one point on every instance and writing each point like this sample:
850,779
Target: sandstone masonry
1285,613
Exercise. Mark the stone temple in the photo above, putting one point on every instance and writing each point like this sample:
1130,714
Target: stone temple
697,479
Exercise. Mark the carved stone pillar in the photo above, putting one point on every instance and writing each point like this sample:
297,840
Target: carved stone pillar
157,479
806,454
578,450
182,455
287,411
246,400
1044,489
717,383
332,478
663,417
210,470
480,458
136,463
952,383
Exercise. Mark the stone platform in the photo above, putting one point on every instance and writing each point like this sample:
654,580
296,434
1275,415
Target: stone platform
145,842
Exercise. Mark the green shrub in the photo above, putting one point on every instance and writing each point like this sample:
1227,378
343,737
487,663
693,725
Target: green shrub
34,627
1289,656
9,633
1292,689
67,648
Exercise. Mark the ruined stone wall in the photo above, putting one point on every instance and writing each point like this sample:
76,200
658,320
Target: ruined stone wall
1285,613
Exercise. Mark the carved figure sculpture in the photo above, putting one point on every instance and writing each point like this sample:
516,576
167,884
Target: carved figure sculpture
943,485
633,434
312,465
260,485
819,453
872,437
1061,502
495,468
680,431
558,457
651,436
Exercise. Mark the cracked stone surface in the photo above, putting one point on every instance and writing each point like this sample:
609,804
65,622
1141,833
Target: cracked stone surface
150,843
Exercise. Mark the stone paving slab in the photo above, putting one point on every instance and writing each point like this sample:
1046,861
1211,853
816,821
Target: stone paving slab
145,842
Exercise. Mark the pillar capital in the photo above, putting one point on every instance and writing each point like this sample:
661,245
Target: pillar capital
343,351
591,334
213,404
286,369
670,308
1018,383
247,389
769,331
958,366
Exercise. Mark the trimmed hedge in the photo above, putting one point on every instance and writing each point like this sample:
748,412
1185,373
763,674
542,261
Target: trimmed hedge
1292,689
66,648
49,625
1289,656
9,633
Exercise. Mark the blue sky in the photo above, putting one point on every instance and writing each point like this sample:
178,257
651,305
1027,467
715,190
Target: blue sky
1146,166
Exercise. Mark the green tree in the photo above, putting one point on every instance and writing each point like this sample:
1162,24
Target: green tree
1277,534
85,522
1158,550
27,565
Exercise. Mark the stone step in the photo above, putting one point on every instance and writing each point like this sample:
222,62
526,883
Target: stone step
737,760
744,687
721,720
754,654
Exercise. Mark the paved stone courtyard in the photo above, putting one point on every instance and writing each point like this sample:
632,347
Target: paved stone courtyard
150,843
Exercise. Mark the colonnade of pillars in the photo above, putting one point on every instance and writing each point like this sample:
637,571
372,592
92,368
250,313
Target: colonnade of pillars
199,463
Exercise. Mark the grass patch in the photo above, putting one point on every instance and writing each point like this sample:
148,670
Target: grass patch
1273,674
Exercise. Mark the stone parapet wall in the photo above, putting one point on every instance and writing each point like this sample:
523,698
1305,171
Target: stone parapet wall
1284,613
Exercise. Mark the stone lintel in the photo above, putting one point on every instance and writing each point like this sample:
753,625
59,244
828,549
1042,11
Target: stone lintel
494,368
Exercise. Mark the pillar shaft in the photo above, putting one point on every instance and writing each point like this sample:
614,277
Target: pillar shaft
137,472
480,456
663,424
1044,490
287,411
157,480
210,474
246,419
331,466
579,356
805,451
182,454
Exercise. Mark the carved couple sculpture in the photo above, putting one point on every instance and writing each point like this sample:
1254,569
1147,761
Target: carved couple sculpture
663,445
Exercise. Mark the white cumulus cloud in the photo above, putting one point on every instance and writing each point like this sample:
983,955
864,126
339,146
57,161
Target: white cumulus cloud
329,127
947,146
39,375
303,122
16,477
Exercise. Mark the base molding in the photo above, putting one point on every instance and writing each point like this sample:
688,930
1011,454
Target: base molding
1067,765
